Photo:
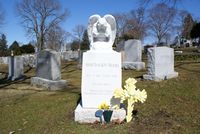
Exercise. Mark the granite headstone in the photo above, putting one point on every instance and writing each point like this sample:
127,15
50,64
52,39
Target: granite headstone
48,71
131,54
16,67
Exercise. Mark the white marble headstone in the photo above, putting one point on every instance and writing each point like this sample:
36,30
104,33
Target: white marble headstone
160,63
101,74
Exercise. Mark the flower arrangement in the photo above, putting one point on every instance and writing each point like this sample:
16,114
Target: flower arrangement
104,106
130,94
106,111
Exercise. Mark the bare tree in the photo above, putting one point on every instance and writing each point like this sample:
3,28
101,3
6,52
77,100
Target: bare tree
161,18
187,26
78,33
179,24
168,2
56,38
121,20
39,16
136,24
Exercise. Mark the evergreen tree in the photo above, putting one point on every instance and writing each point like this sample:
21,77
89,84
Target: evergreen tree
15,48
3,46
195,32
75,45
27,48
85,44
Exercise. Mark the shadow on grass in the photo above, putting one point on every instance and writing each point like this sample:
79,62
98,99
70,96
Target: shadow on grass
180,66
29,69
6,82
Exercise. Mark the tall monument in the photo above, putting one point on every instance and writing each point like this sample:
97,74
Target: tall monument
101,71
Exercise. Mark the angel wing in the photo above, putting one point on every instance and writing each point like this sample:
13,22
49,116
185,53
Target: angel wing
111,20
92,20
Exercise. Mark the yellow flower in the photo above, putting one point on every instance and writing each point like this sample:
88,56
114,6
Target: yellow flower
103,105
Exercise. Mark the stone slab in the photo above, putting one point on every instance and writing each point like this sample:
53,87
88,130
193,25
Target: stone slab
101,75
91,115
49,84
134,65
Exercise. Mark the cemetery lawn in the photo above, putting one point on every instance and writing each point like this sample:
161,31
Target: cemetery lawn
172,106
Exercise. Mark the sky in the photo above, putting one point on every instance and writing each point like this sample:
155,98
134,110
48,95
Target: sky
80,11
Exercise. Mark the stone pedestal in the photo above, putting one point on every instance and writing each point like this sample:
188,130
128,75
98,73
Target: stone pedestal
101,75
160,64
49,84
92,115
16,67
134,65
48,69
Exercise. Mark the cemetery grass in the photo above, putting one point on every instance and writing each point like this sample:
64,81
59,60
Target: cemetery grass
172,105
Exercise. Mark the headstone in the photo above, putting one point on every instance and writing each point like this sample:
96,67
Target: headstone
70,55
3,60
48,71
131,54
160,64
16,68
101,71
30,60
100,77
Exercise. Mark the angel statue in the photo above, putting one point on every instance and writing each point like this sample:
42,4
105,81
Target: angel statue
101,32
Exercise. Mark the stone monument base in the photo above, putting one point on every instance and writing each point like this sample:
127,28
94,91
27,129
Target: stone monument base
49,84
93,115
160,78
134,65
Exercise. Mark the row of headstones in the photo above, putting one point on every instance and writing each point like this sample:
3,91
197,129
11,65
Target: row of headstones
160,63
28,60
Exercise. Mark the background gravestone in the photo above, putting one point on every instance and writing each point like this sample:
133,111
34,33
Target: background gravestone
48,65
16,67
131,54
160,64
48,71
